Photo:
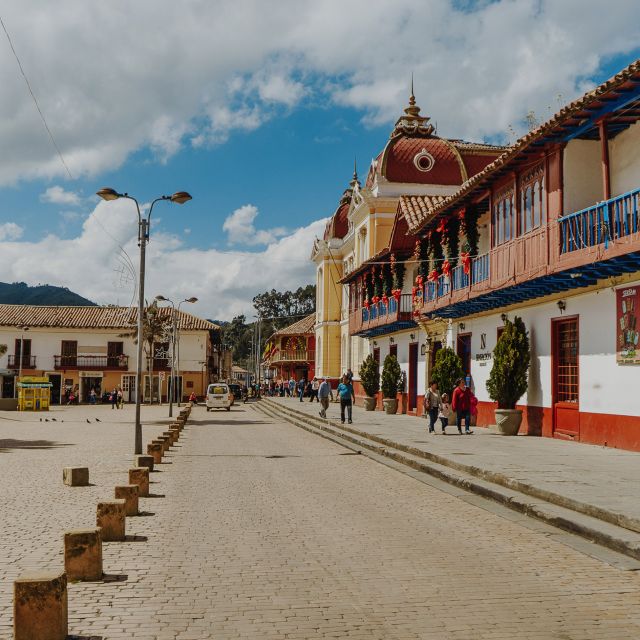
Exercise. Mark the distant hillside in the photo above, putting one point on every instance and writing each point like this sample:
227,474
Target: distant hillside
43,294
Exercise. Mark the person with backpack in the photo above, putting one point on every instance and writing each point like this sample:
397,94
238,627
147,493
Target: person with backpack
461,404
432,405
347,397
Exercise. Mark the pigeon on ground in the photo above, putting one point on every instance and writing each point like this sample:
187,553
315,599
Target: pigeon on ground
98,420
40,419
54,420
46,419
89,421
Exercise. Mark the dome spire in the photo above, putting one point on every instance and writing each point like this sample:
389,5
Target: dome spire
412,122
354,179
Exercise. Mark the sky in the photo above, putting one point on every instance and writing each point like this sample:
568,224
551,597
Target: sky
258,108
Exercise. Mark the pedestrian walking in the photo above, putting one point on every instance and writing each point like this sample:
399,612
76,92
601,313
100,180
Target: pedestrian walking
292,387
315,385
349,375
324,393
113,398
432,404
120,398
302,384
347,397
445,412
92,396
461,403
474,408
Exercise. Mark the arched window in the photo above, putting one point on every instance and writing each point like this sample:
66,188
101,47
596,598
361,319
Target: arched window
536,204
502,219
533,199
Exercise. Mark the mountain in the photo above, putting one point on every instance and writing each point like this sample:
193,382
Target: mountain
42,294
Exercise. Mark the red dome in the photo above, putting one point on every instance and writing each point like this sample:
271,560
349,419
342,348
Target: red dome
338,224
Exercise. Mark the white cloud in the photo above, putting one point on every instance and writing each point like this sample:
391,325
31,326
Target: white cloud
58,195
92,264
10,231
229,67
241,230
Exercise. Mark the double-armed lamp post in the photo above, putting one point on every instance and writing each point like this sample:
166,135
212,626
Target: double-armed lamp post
175,339
144,225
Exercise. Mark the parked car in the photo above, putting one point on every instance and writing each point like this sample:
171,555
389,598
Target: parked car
219,396
236,389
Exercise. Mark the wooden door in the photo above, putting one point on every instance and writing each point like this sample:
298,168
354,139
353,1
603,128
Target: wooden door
463,348
393,350
69,353
114,351
566,378
413,376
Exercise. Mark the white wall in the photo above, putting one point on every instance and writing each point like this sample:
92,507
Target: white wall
624,160
582,170
602,380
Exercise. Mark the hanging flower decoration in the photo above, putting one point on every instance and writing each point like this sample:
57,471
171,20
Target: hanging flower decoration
419,281
433,276
416,313
446,268
375,299
396,293
385,299
367,304
414,291
466,262
442,227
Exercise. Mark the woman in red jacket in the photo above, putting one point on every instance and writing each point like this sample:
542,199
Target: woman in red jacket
461,404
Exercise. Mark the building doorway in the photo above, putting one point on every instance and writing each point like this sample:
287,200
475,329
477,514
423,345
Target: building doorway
565,357
413,376
87,383
174,385
148,396
128,385
9,387
56,387
393,350
463,349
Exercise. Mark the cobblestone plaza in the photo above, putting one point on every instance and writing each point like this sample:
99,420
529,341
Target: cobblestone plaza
257,529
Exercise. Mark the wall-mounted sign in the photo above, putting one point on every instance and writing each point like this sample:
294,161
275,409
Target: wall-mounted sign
484,356
483,341
627,326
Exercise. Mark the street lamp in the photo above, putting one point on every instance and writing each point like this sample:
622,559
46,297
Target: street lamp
144,225
174,338
22,329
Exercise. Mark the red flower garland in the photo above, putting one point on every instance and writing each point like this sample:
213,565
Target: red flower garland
375,299
433,276
385,299
396,293
446,268
466,262
442,227
367,304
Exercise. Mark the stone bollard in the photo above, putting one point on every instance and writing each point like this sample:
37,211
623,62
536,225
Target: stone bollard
144,461
140,476
176,425
176,434
75,476
110,517
40,607
83,554
129,493
155,450
165,442
168,435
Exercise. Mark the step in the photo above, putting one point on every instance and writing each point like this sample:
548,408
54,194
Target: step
594,529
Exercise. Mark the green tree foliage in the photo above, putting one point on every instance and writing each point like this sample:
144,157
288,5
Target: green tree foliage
368,285
391,374
42,294
3,349
369,376
471,230
509,375
422,255
236,335
447,370
387,279
398,269
282,308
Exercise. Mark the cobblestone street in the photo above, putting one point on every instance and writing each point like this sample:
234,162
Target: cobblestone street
258,529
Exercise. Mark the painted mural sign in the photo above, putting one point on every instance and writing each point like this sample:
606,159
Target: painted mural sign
627,325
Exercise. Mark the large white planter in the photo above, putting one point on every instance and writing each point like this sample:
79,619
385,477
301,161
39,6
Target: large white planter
390,405
369,404
508,422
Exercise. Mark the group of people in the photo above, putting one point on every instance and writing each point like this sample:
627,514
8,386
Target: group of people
463,407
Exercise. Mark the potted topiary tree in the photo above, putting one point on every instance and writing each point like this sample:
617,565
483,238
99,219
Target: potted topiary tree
447,370
391,375
508,379
370,381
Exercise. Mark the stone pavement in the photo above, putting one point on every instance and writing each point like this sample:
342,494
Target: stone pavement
262,530
600,479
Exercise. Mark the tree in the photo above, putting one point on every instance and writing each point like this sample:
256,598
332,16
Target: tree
281,308
237,335
369,376
391,374
447,370
509,375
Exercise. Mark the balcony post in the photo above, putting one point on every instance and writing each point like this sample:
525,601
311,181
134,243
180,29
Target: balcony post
604,153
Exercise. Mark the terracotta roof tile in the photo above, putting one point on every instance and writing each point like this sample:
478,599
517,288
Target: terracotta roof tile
306,325
416,209
89,317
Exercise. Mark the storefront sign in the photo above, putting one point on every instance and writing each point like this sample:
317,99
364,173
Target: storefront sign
627,326
484,356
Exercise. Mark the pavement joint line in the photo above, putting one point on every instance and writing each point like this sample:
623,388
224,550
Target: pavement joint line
557,516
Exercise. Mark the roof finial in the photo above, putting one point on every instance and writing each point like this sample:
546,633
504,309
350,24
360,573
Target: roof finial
354,179
412,98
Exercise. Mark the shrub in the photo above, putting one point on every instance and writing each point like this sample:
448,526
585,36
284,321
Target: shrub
508,379
369,377
391,374
447,370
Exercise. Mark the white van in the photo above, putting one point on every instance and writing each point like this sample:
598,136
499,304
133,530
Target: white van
219,396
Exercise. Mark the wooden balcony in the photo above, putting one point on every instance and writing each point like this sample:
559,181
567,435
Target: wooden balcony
293,355
92,363
381,318
572,252
28,362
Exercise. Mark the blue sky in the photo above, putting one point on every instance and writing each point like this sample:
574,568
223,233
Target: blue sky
255,112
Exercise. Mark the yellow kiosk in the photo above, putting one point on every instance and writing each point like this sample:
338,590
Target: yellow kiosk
34,393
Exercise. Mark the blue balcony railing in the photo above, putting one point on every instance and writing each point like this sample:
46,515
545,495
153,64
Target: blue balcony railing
480,269
601,223
459,279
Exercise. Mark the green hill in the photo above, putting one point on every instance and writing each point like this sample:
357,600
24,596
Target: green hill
42,294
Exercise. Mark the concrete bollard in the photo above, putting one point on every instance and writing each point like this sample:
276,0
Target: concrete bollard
83,554
110,517
176,425
155,450
129,493
140,476
75,476
40,607
144,461
176,434
164,441
166,434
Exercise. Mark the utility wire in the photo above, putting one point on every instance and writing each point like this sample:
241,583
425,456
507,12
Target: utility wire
35,100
